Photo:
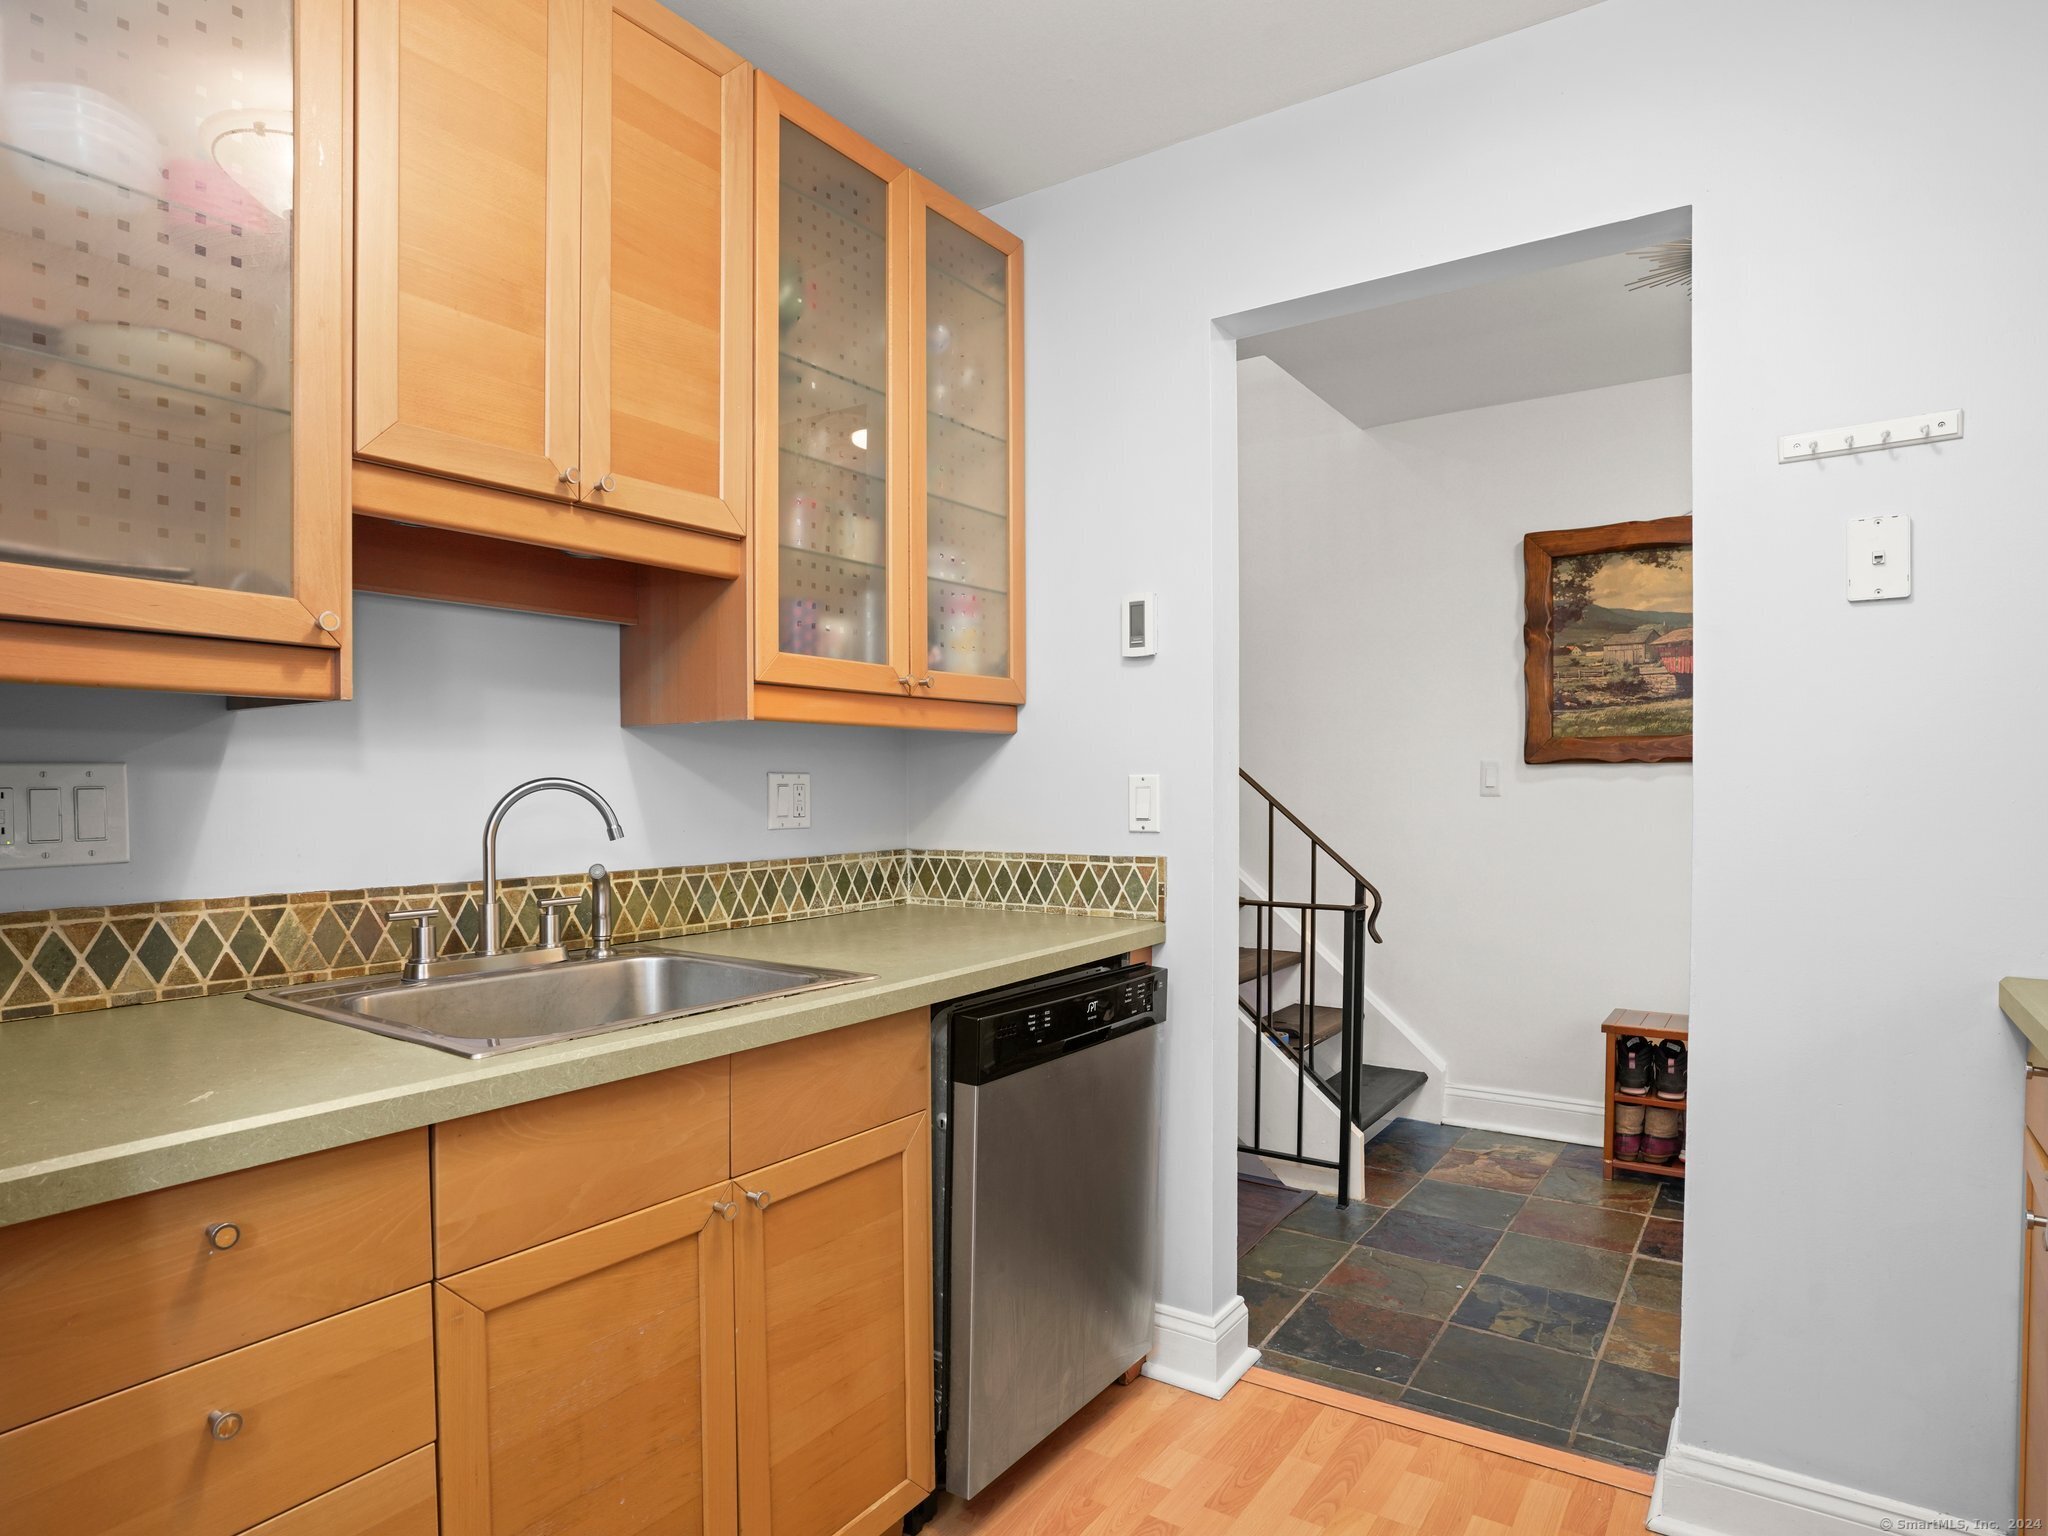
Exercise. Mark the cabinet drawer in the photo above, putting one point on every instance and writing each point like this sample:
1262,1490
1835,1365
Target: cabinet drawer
807,1093
395,1500
319,1406
512,1178
95,1300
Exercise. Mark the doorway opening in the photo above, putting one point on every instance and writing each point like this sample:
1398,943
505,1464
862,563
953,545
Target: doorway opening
1464,717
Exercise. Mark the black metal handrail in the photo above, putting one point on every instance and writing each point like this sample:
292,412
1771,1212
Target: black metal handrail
1361,920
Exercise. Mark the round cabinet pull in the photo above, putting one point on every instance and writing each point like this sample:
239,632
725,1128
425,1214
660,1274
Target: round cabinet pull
224,1424
330,621
568,476
924,682
724,1208
760,1197
608,483
223,1235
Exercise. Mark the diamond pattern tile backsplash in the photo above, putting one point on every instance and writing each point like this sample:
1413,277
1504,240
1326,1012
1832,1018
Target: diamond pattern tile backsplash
77,959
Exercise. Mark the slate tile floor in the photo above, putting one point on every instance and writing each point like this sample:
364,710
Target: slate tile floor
1497,1280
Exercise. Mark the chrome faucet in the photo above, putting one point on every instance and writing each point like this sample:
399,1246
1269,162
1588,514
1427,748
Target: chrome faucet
600,882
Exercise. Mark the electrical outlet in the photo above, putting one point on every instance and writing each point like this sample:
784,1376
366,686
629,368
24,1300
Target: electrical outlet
789,801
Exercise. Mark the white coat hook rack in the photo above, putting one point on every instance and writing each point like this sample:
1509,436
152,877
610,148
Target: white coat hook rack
1871,436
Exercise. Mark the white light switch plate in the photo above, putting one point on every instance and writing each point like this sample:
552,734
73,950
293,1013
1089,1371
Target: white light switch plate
1144,802
63,813
1880,558
789,800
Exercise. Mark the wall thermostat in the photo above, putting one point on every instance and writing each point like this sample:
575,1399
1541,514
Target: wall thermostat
1139,635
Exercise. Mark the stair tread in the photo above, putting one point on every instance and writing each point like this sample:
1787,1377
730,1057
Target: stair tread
1380,1089
1326,1024
1279,962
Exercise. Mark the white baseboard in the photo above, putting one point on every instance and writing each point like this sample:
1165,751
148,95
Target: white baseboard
1525,1114
1201,1354
1708,1493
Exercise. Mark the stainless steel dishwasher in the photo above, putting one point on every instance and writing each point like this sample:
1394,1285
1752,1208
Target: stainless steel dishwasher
1046,1158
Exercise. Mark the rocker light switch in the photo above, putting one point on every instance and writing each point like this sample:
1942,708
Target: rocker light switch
1144,802
63,813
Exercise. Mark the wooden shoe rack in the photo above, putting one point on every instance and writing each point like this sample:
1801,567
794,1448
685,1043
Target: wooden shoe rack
1652,1027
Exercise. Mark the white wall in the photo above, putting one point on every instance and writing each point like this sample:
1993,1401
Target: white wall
1381,646
453,707
1859,172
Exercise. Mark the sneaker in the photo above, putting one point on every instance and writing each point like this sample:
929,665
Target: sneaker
1660,1135
1632,1064
1670,1069
1628,1132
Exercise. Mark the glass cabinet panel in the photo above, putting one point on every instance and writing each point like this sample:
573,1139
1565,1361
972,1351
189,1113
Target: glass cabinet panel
146,190
832,421
967,511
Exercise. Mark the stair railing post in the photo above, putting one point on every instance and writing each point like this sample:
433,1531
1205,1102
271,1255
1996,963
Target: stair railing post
1351,1030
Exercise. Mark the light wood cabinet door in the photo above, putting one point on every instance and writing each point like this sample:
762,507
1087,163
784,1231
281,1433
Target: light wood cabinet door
468,204
667,235
2034,1366
587,1384
173,362
967,461
832,540
835,1364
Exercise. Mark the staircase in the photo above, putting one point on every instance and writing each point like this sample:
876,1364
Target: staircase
1307,1094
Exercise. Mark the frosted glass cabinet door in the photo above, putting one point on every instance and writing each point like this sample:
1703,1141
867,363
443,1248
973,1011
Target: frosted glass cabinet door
831,533
152,207
968,529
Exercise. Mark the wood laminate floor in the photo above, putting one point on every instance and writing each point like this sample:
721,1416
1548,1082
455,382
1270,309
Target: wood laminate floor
1282,1457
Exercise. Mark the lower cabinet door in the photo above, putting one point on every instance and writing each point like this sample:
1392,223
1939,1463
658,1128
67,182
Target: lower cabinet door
587,1384
835,1335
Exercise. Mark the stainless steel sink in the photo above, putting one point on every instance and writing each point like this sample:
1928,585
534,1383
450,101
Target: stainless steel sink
489,1014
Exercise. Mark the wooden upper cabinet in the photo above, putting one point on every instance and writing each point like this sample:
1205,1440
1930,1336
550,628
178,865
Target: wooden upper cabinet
667,143
468,209
967,468
587,1384
833,1298
174,356
832,541
552,233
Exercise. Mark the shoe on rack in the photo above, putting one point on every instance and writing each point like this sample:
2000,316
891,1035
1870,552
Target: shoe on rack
1660,1135
1628,1132
1632,1069
1669,1069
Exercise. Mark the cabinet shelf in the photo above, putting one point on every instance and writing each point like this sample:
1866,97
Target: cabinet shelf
966,586
42,358
966,506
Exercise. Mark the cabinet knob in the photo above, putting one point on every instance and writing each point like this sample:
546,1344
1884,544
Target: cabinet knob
329,620
724,1208
568,476
608,483
925,681
223,1235
2034,1072
224,1424
903,683
2034,1223
759,1197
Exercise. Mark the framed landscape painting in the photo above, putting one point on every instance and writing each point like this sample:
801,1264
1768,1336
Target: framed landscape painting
1609,643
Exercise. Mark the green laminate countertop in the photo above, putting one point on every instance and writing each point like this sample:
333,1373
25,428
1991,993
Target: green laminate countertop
2025,1001
95,1106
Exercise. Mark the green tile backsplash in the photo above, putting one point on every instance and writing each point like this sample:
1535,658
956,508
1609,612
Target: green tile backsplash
77,959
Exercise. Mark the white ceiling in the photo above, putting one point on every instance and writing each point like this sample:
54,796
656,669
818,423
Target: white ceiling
1545,333
993,100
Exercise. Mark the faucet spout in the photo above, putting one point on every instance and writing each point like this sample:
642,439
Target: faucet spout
512,797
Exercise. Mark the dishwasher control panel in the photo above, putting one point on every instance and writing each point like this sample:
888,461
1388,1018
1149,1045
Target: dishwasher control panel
1006,1035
